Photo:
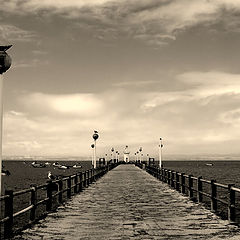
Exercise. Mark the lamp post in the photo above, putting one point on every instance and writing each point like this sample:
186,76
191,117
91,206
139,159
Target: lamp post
95,137
5,64
106,158
92,146
160,152
140,150
137,155
112,154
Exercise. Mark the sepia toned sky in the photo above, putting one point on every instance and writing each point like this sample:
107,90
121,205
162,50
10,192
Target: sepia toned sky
134,70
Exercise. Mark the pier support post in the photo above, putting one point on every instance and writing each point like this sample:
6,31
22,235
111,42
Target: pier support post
33,202
199,189
213,196
190,187
231,203
8,225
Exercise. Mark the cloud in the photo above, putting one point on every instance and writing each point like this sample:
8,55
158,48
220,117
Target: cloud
153,22
205,84
133,83
194,116
205,112
9,33
198,86
85,105
35,62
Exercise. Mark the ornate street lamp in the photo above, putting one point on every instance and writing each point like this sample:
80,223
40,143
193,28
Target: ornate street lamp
112,154
95,137
92,146
160,152
5,64
140,150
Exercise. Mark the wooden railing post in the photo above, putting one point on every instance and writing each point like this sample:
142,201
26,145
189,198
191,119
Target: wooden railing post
69,187
88,180
177,182
85,179
8,225
94,172
76,184
213,196
165,175
90,175
80,182
60,187
162,175
33,202
49,196
182,183
190,187
158,174
172,179
168,176
199,189
231,204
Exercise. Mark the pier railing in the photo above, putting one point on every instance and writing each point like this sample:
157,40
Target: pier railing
224,200
38,201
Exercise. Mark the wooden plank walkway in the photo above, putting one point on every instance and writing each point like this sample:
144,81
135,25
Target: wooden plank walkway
128,203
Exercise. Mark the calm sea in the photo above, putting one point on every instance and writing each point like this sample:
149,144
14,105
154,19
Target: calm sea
23,174
224,170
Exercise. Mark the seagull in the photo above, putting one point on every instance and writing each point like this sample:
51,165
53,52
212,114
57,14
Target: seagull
50,176
5,172
5,48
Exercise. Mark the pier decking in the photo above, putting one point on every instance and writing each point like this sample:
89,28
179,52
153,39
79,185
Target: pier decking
128,203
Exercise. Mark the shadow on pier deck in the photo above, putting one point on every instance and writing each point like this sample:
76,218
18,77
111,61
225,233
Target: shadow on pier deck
128,203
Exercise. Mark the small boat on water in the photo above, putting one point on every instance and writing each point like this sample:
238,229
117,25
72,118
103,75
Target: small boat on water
38,165
77,166
209,164
63,167
56,164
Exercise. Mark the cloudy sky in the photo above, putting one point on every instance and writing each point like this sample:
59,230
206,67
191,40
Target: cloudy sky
134,70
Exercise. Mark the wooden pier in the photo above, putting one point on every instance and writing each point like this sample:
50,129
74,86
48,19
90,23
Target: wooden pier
129,203
37,201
